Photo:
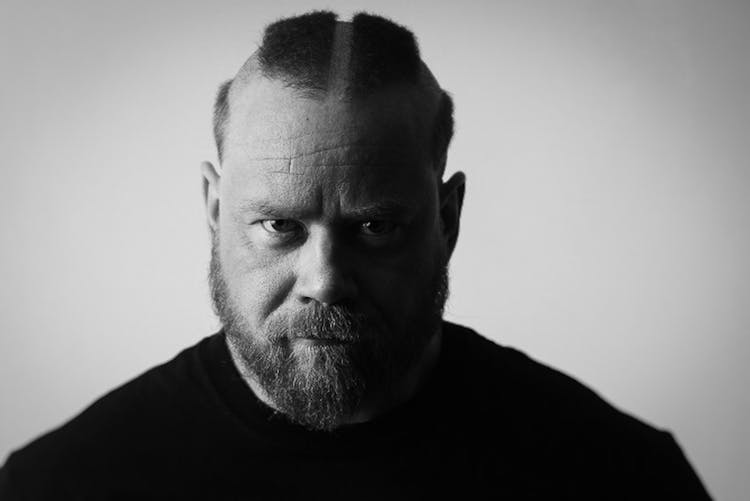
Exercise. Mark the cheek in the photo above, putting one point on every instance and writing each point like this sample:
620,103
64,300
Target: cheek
399,287
256,284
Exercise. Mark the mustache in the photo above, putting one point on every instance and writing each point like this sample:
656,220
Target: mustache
330,323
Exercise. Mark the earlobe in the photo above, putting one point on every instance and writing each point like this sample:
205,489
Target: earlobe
211,181
451,201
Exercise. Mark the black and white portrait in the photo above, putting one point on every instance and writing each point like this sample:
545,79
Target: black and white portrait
375,250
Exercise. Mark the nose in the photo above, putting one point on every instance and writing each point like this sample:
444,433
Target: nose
323,273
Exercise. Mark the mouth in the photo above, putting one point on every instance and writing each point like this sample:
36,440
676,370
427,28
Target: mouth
309,341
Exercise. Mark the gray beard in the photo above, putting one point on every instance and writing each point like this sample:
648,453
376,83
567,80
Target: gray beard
319,386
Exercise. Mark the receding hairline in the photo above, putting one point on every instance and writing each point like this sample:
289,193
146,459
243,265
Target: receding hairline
426,105
342,72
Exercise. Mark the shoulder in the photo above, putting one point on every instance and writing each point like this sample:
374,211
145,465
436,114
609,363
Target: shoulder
502,376
506,376
130,424
550,422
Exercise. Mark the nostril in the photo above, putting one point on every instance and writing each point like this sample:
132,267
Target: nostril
327,289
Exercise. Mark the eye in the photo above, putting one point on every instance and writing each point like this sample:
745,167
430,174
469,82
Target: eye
377,228
280,225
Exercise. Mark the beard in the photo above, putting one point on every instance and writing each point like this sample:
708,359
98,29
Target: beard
356,355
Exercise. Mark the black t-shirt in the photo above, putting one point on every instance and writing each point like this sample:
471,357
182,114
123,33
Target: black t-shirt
490,423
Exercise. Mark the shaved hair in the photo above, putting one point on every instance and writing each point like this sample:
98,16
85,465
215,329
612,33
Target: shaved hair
317,54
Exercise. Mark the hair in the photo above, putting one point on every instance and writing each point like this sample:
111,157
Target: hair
300,51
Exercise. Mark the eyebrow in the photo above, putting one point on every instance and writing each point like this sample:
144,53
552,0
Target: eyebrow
380,209
264,208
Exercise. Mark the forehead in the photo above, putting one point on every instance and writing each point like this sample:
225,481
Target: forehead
275,128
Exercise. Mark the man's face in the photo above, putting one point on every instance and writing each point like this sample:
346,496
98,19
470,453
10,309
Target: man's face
329,255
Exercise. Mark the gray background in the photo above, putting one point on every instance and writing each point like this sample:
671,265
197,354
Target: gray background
605,230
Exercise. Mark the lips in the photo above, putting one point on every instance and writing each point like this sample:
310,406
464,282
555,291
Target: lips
320,341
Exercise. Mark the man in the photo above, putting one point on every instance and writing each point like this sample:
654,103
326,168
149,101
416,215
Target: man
334,375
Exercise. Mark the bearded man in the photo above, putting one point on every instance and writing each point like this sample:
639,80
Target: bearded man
334,375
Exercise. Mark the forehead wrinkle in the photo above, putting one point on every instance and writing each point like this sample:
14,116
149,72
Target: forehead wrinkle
307,163
292,145
305,169
347,152
277,191
299,133
301,155
300,163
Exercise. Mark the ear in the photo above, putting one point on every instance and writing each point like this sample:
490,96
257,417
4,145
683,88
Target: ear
211,181
451,201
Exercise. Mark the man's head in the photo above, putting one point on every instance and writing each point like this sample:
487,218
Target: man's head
331,225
